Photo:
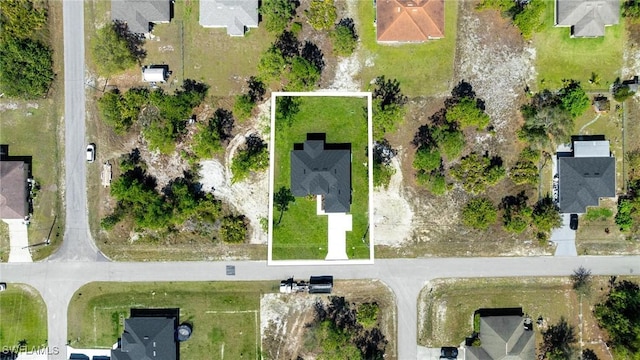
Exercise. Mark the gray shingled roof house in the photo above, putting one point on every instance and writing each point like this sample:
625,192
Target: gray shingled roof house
147,338
323,169
503,337
587,18
139,14
14,194
235,15
586,177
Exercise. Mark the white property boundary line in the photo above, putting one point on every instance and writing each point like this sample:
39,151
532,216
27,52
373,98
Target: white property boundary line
272,152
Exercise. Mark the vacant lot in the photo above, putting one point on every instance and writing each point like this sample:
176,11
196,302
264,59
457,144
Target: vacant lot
33,128
344,120
422,69
284,318
225,316
446,307
579,57
23,316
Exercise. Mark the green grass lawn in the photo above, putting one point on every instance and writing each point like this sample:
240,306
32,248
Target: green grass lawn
449,308
225,315
303,234
422,69
4,242
561,57
210,55
23,316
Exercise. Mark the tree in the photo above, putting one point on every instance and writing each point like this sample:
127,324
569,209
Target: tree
135,41
525,171
253,157
256,89
276,14
468,112
288,44
588,354
581,280
631,10
383,153
271,64
321,14
243,106
209,138
21,19
546,126
344,37
26,68
313,54
281,200
450,141
476,172
621,92
573,98
546,214
388,106
111,52
558,340
303,76
619,315
516,215
528,17
427,159
479,213
233,229
286,109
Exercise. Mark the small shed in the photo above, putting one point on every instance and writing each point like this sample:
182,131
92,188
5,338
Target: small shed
601,104
154,74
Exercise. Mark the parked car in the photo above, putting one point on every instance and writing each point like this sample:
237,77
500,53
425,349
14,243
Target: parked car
573,222
448,352
91,152
3,286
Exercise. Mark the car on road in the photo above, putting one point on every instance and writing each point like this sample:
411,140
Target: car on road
448,352
3,286
91,152
573,222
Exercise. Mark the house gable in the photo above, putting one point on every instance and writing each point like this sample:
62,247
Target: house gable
587,18
13,189
139,14
234,15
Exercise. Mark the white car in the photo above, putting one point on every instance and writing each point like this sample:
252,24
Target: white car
3,286
91,152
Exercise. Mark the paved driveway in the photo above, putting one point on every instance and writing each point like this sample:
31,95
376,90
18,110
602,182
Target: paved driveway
564,238
19,241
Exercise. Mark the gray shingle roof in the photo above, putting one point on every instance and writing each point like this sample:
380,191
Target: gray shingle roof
13,189
147,338
319,171
587,18
583,181
235,15
503,337
139,13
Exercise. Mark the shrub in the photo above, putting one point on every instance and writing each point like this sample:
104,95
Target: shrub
111,51
546,215
477,172
26,68
254,157
303,76
427,159
451,143
272,63
623,216
233,229
344,37
321,14
479,213
243,107
621,92
276,14
388,106
367,314
573,98
467,112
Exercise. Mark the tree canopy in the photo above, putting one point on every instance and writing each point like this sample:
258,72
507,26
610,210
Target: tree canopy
111,52
276,14
546,214
619,315
476,172
468,112
479,213
388,106
344,37
558,341
281,200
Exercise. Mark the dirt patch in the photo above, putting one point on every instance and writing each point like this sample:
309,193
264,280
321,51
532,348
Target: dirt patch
283,317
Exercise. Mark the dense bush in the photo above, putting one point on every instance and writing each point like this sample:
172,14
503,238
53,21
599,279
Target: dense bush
517,214
253,157
546,215
382,169
286,109
476,172
243,106
619,315
210,137
526,15
479,213
233,229
26,62
272,64
344,37
525,171
321,14
303,75
621,92
276,14
427,159
468,112
547,121
388,106
573,99
111,52
631,10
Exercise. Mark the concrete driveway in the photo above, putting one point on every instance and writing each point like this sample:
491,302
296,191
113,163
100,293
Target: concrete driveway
564,238
19,241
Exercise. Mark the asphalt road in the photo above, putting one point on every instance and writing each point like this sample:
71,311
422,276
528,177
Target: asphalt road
57,281
78,244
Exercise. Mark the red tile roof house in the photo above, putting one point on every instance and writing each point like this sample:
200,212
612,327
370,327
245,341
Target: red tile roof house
409,21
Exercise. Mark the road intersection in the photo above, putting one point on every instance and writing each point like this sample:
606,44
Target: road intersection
78,261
